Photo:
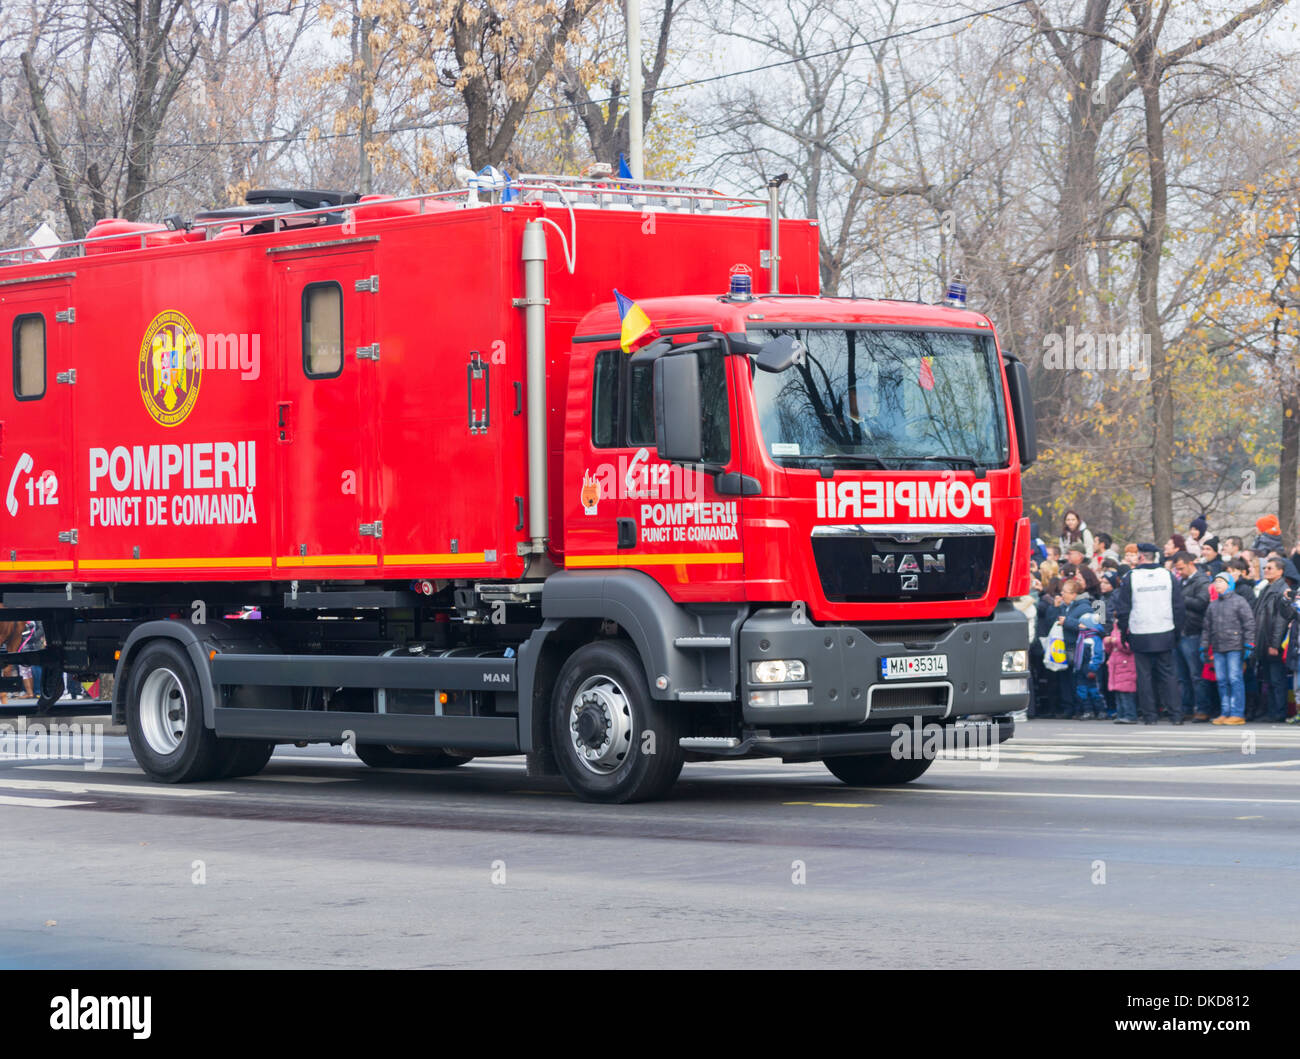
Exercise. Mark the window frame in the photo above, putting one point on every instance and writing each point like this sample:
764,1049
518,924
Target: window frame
622,432
306,332
45,355
619,432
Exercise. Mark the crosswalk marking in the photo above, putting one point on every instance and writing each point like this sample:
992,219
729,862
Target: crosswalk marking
69,787
39,803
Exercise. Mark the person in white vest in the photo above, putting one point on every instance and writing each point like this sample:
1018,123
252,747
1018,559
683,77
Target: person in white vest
1149,612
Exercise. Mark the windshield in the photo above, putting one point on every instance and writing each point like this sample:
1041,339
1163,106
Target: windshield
891,398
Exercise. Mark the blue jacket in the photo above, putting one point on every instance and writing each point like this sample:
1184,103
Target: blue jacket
1089,653
1081,606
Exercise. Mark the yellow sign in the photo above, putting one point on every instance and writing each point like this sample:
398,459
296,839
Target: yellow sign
171,368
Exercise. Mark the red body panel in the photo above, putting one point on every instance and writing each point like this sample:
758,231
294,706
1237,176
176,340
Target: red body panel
264,473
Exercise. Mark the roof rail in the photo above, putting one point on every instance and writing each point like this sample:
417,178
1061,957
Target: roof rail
598,192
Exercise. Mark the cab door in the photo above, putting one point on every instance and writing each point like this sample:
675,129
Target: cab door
632,509
323,418
38,510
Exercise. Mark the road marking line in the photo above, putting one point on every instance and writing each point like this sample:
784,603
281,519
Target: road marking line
301,779
837,805
119,770
68,787
41,803
1098,797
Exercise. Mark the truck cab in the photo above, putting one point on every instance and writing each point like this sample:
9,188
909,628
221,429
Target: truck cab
828,490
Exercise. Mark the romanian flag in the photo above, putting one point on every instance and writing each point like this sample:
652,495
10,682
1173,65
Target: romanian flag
636,325
927,373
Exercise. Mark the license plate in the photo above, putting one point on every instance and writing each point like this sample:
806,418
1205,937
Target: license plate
900,667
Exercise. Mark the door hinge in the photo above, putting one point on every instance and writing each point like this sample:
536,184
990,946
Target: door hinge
69,377
370,352
68,536
66,316
370,285
372,529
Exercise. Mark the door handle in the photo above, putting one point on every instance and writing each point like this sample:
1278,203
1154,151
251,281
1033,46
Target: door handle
627,533
283,416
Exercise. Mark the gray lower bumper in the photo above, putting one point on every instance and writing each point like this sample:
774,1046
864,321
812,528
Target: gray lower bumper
843,670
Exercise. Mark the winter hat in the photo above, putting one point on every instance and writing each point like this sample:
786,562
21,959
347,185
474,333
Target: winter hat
1229,581
1111,578
1269,524
1089,621
1076,546
1210,542
1200,525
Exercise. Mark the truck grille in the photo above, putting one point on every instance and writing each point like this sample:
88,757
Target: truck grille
858,566
906,700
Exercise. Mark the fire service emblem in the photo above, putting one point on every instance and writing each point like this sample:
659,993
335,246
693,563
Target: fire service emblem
171,368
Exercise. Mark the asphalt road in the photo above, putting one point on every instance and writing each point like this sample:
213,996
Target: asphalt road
1088,845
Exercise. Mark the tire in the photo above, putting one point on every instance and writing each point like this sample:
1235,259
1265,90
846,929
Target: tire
164,719
601,711
876,770
50,691
386,757
245,757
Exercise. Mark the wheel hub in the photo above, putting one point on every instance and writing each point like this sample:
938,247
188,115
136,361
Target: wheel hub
600,724
163,711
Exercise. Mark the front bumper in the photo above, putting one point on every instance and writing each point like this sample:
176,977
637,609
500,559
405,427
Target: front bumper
835,744
843,670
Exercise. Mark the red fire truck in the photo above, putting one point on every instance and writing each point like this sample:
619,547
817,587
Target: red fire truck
377,472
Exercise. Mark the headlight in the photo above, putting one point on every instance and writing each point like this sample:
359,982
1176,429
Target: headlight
776,671
1015,661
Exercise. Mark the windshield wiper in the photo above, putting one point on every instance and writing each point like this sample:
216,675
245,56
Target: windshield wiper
961,461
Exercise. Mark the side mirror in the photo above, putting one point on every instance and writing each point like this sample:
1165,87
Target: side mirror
679,416
780,354
1022,409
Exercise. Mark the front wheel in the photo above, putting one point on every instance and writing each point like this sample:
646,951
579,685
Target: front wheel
612,741
876,770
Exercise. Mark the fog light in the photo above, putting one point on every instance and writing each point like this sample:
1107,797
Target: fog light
1014,686
776,671
1015,661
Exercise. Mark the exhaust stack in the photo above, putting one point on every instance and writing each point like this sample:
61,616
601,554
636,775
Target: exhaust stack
534,305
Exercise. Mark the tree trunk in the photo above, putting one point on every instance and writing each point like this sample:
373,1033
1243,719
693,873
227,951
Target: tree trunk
1151,245
1289,458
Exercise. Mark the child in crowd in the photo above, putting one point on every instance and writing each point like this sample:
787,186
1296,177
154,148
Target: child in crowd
1122,669
1088,657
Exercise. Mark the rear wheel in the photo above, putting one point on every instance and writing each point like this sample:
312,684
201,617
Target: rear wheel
388,757
612,741
246,757
875,770
51,689
164,719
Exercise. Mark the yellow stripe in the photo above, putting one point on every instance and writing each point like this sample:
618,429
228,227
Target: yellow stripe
682,559
223,563
327,560
37,564
436,559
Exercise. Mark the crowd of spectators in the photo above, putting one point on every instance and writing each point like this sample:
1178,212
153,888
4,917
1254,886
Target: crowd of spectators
1195,629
